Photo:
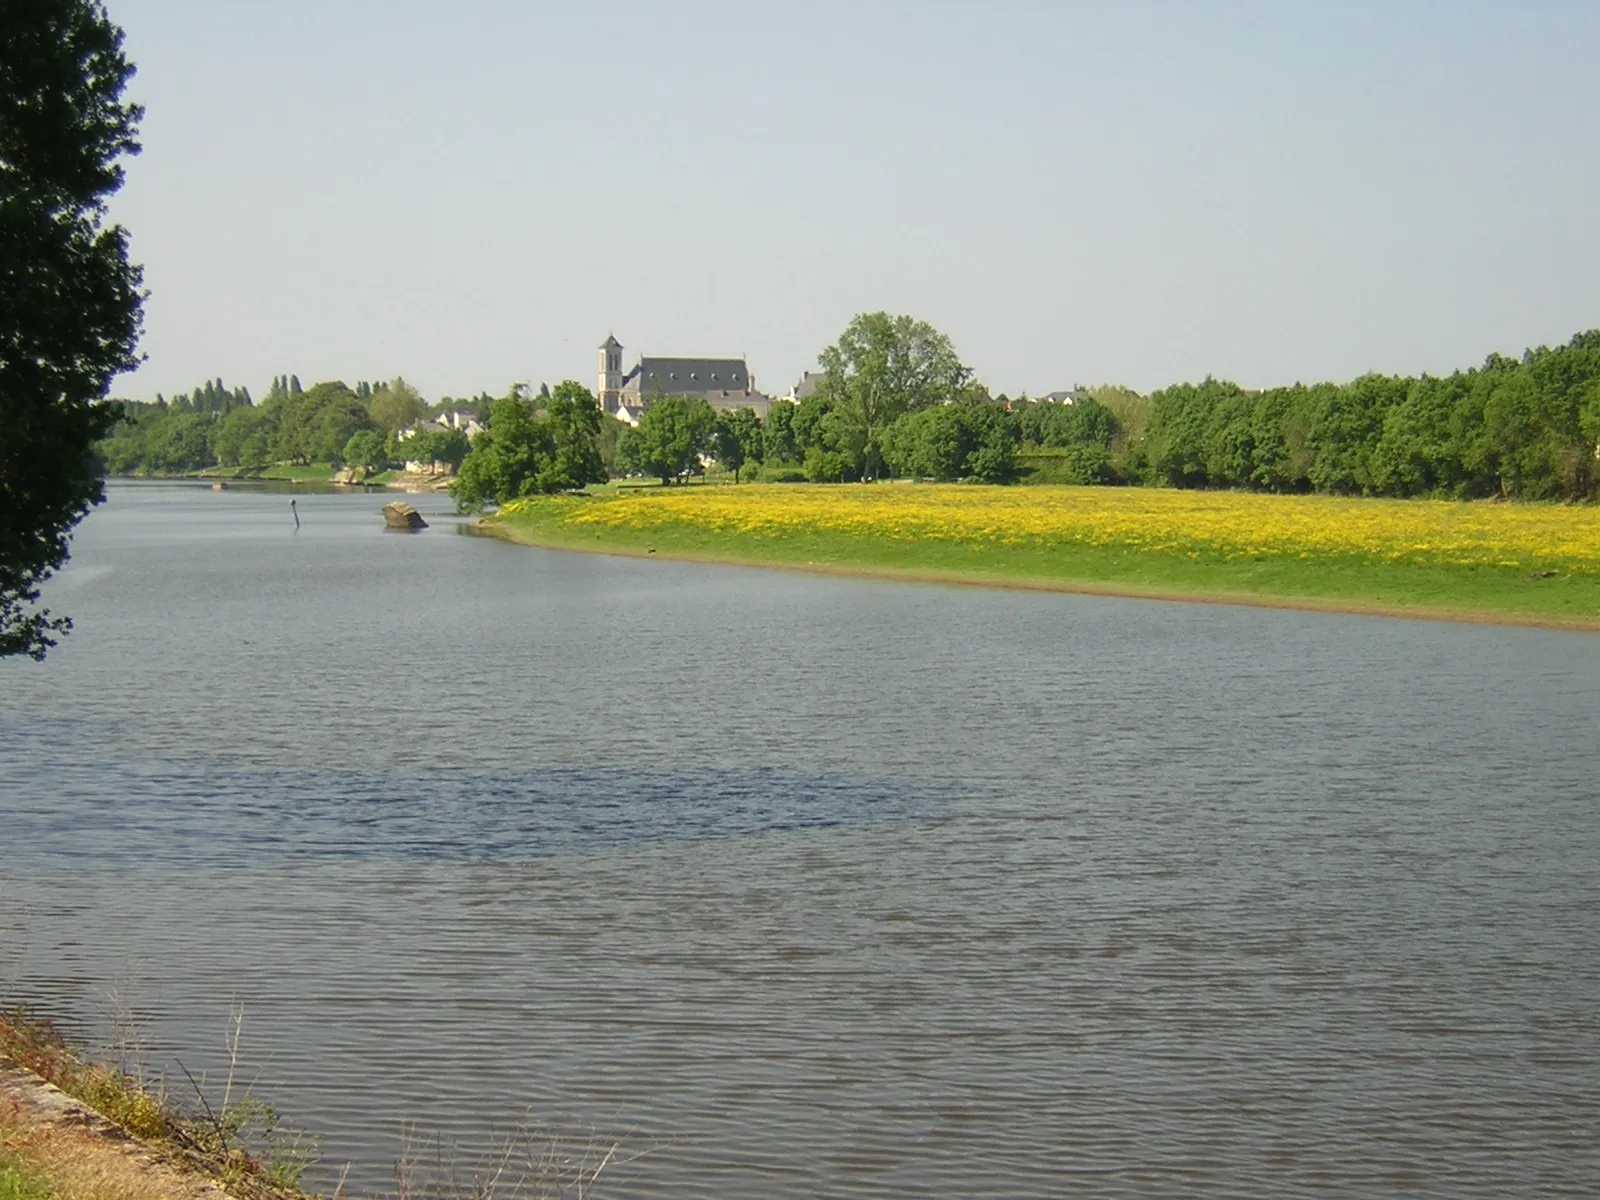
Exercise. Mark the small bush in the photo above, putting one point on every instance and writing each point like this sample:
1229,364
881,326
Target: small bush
825,466
779,473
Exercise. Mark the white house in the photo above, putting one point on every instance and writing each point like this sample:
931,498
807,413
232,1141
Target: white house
462,422
466,422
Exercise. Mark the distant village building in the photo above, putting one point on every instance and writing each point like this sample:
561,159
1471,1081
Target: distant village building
724,383
465,422
807,386
1069,397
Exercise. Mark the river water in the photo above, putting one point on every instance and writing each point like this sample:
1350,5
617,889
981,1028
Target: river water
803,885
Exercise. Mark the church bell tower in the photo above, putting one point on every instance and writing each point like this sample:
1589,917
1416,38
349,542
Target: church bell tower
610,372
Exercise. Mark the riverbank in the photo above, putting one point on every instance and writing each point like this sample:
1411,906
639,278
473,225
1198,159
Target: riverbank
315,475
1506,563
73,1130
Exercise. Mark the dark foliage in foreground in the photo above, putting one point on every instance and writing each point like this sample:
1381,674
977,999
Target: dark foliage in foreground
70,302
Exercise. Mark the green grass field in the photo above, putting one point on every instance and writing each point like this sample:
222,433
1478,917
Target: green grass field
280,472
307,473
1519,563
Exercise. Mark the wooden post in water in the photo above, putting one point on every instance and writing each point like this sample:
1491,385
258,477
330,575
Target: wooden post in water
296,513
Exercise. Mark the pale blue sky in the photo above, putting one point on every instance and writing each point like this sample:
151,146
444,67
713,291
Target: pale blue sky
473,193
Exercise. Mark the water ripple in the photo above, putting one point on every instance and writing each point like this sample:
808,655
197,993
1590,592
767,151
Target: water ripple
209,814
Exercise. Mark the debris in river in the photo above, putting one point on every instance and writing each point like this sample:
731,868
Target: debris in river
401,516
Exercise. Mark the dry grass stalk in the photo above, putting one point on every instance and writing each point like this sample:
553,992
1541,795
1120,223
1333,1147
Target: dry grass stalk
531,1163
170,1156
78,1165
211,1148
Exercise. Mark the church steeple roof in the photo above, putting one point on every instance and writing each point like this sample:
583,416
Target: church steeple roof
611,343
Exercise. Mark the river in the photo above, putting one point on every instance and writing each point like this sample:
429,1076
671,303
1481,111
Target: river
806,885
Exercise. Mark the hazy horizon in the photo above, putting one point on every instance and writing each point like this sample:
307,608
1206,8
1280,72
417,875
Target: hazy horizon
1075,193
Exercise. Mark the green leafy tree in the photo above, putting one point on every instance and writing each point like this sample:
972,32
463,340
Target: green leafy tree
994,458
335,422
1589,418
396,406
736,439
1128,459
278,393
778,443
809,424
316,423
506,457
969,439
447,448
1345,429
1534,421
611,431
1280,427
244,436
1480,452
881,367
673,432
523,451
1229,447
828,466
1087,464
1180,428
1419,452
452,448
573,417
70,302
122,451
179,443
367,449
1056,425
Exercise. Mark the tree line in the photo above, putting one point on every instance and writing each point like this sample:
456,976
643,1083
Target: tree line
1525,428
331,422
895,401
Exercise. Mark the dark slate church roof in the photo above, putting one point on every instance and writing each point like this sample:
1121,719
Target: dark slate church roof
673,375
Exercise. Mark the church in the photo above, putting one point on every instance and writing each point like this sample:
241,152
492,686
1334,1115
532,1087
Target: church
724,383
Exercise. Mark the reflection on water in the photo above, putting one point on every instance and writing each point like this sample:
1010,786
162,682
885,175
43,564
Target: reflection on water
201,813
826,886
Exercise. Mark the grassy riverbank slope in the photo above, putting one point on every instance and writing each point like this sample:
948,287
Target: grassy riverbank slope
77,1130
1477,561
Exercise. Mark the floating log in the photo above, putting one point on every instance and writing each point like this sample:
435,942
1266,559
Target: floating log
401,516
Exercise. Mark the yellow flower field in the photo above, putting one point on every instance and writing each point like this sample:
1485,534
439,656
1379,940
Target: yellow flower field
1226,525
